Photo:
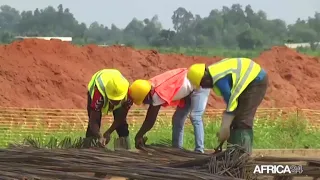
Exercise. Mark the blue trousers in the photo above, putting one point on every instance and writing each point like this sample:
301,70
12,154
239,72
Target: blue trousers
195,105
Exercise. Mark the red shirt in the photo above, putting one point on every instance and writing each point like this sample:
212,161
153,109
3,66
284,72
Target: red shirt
97,100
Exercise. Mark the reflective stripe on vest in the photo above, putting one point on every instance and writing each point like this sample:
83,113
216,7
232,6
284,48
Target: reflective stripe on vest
243,71
99,82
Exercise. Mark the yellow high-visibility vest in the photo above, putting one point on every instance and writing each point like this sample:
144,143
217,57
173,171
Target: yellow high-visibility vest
243,71
99,80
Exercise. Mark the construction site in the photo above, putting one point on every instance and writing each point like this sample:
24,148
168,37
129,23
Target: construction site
44,84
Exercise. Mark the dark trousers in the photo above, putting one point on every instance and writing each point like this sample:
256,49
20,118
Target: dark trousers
248,103
241,128
119,114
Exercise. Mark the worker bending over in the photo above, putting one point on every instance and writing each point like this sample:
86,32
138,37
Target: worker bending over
107,91
171,88
243,84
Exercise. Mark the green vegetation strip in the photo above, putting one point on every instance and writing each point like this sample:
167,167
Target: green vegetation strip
210,52
291,133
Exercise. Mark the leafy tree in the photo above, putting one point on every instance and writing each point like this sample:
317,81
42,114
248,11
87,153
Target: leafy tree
233,27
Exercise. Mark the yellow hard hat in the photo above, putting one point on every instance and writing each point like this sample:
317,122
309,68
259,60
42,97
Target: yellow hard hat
195,74
117,88
138,90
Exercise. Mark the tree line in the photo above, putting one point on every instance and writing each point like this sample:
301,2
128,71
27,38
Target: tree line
234,27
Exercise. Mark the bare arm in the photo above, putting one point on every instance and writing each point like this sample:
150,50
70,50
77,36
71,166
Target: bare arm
149,121
120,115
94,115
113,126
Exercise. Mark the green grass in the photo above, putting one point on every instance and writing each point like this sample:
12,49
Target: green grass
210,52
269,134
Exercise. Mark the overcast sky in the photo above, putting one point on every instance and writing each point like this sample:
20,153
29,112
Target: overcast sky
121,12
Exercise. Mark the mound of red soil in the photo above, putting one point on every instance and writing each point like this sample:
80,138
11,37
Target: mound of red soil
54,74
294,78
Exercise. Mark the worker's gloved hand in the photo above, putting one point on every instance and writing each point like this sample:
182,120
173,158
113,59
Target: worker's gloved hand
140,142
224,132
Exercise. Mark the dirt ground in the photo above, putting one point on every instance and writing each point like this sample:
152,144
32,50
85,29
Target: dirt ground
116,178
55,74
277,153
288,152
261,178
